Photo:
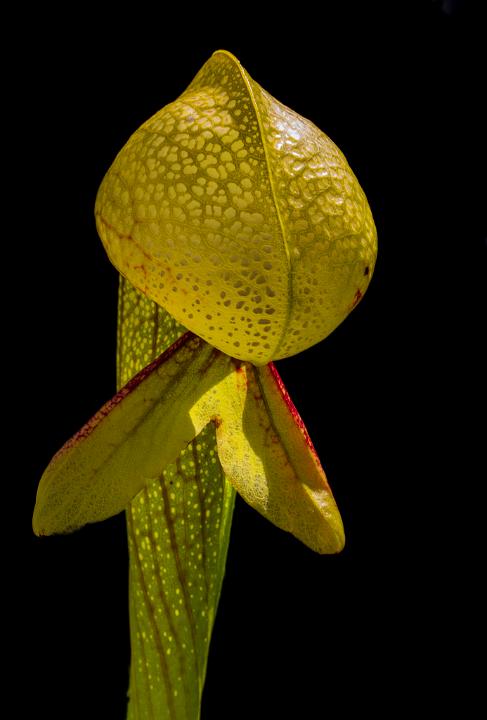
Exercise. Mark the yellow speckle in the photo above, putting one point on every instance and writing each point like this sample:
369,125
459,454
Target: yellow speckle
252,218
220,131
229,136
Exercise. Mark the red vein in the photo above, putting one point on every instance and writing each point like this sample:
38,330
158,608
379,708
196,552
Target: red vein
152,619
292,408
144,674
163,598
201,499
180,570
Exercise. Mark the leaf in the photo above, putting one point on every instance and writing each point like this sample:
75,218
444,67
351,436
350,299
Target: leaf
262,444
269,458
130,441
240,217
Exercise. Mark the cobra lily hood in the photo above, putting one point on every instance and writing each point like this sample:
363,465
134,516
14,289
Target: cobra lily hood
241,236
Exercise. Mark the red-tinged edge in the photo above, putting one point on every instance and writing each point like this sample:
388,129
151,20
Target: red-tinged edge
134,382
292,408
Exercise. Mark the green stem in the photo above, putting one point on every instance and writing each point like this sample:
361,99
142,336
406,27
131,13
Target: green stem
178,533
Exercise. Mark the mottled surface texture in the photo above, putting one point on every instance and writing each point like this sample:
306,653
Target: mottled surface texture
240,217
178,529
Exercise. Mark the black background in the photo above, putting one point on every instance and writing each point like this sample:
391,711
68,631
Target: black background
390,399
